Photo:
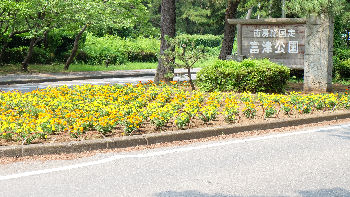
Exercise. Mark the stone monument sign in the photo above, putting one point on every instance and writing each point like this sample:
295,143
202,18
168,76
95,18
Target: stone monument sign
297,43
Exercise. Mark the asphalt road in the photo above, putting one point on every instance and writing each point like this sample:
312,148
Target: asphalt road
33,86
306,163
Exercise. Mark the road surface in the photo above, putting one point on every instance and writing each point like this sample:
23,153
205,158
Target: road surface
33,86
307,163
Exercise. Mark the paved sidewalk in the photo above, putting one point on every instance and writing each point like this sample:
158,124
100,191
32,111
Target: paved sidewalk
51,77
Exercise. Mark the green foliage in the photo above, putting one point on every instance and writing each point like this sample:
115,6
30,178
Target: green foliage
193,16
60,42
342,53
142,49
99,50
304,8
201,17
207,40
16,55
276,8
248,75
341,68
56,47
186,52
118,50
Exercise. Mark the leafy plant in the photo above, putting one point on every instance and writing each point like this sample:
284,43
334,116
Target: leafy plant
182,120
248,75
186,52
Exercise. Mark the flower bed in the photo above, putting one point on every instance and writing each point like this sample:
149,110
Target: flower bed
114,110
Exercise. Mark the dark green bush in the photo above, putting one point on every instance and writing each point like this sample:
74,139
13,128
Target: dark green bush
343,69
248,75
41,56
340,68
208,40
60,43
17,55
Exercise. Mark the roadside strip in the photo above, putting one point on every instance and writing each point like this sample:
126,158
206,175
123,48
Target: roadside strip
54,77
154,138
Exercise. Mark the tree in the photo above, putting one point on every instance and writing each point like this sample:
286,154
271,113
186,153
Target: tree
186,52
11,23
100,16
337,9
200,16
168,21
40,16
229,30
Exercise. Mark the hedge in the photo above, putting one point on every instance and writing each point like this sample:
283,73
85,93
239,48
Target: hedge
248,75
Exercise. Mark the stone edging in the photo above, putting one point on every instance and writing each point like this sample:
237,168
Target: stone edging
147,139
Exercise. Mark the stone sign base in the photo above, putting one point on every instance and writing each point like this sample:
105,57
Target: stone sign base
318,60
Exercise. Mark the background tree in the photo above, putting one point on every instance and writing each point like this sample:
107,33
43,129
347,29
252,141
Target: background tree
229,30
40,17
167,29
337,9
200,16
11,23
102,17
193,16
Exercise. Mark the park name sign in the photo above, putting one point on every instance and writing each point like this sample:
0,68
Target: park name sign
280,40
298,43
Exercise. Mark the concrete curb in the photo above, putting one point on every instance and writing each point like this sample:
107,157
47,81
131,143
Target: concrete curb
147,139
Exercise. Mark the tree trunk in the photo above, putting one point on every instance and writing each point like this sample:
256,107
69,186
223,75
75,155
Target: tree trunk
190,79
75,48
168,20
46,44
29,54
229,30
249,13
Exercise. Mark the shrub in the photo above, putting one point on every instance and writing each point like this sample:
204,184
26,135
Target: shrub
248,75
60,43
41,56
342,53
343,69
16,55
98,50
142,49
118,50
208,40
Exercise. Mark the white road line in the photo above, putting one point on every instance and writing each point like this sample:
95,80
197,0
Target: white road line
165,152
